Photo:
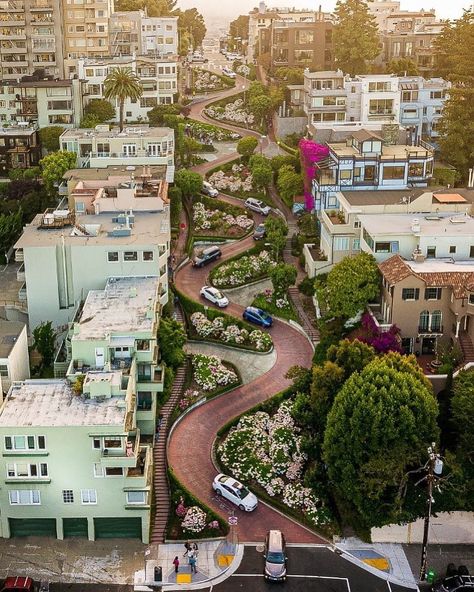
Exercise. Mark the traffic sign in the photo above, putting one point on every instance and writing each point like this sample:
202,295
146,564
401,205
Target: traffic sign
233,520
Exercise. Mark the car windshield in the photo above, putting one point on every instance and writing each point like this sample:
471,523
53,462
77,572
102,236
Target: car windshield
264,315
218,294
274,557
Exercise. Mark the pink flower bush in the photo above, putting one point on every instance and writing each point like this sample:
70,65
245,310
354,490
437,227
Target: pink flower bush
205,219
382,342
194,520
310,154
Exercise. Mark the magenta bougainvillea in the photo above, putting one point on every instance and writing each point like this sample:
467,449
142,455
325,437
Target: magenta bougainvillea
381,342
310,153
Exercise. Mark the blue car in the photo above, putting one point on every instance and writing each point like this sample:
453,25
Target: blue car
258,316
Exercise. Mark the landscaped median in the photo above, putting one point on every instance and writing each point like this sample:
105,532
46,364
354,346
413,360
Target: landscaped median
255,264
218,219
236,179
206,81
214,326
265,450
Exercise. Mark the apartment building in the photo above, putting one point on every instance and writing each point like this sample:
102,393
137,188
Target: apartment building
68,252
42,102
134,146
158,77
14,358
85,30
19,147
73,461
135,32
430,300
381,10
381,223
30,38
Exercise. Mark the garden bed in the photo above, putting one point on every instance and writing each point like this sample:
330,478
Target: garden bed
262,448
215,218
245,268
282,308
207,82
234,179
202,521
206,132
225,329
232,110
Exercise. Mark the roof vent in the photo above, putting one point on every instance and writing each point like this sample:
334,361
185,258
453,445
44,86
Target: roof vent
458,220
415,225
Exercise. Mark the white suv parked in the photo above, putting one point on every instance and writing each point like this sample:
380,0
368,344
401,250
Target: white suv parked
257,206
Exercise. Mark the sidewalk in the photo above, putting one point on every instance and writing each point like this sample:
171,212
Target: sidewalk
216,560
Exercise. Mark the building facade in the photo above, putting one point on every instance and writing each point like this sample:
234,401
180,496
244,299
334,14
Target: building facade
31,38
158,77
19,147
14,358
135,32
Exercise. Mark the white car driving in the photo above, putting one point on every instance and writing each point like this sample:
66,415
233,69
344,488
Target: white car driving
214,296
235,492
257,206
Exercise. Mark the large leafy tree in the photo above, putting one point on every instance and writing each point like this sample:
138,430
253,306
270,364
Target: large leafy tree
402,67
351,285
454,50
171,339
10,229
152,7
193,23
378,429
239,27
122,84
49,137
189,182
283,276
356,41
289,183
100,108
54,165
246,146
276,232
44,342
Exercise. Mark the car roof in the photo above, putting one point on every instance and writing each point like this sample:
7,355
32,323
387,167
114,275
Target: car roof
254,309
275,540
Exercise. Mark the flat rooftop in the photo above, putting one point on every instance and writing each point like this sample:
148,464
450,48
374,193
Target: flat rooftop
149,228
396,196
18,130
446,224
441,266
116,173
398,151
53,403
125,306
137,131
9,333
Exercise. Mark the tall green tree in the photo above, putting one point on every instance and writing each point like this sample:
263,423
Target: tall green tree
49,137
171,339
351,285
246,146
45,343
10,229
153,7
283,276
122,84
402,67
54,165
193,23
189,182
454,51
378,429
100,108
290,184
239,27
356,41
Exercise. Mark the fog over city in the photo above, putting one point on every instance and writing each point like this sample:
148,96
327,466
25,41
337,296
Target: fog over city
229,9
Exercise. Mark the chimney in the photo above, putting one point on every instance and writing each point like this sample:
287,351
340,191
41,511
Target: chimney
418,256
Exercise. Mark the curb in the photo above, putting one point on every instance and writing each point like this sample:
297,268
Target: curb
232,347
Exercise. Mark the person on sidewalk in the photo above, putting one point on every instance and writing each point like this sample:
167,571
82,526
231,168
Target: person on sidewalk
195,549
176,564
187,546
192,563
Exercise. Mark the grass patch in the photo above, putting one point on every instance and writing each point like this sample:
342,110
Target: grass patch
288,312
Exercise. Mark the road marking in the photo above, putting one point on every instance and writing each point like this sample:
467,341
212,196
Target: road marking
236,575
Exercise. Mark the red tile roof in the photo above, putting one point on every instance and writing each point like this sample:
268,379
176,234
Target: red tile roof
395,269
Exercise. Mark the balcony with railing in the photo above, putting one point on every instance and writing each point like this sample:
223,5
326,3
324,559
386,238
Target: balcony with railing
141,474
54,219
11,6
433,329
41,5
20,273
336,221
121,453
19,255
22,294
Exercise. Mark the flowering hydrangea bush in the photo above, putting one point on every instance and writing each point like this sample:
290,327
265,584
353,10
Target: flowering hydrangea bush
190,396
240,180
206,80
205,219
194,520
267,450
208,132
243,270
230,333
234,112
210,373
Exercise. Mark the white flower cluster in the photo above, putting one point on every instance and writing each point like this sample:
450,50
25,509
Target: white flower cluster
207,81
233,183
233,112
210,373
195,520
243,270
266,449
281,302
205,219
231,333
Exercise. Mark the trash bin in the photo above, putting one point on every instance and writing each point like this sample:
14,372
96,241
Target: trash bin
158,573
431,576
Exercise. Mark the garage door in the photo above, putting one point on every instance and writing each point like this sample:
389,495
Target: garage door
121,528
32,527
75,527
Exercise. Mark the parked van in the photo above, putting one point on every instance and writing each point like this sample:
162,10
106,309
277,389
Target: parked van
275,557
207,256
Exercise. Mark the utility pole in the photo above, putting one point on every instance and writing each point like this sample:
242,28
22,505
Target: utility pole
434,468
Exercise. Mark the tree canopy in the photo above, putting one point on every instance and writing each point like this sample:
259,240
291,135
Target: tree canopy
193,23
189,182
246,146
351,285
454,51
153,7
289,183
100,108
122,84
402,67
44,342
356,41
239,27
53,167
171,339
283,276
49,137
378,429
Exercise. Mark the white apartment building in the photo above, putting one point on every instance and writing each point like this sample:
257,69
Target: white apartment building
68,252
14,358
135,32
159,80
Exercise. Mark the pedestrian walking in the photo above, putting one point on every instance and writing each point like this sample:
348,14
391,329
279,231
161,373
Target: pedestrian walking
176,564
192,563
195,550
187,546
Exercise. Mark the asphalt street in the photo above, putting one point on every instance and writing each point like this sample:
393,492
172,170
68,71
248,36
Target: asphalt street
310,569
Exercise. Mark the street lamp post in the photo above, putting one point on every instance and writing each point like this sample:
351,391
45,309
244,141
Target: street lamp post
262,140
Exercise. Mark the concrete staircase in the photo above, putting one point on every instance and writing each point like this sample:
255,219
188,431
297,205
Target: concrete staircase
306,319
467,347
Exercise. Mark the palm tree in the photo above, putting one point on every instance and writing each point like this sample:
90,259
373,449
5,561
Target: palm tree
121,84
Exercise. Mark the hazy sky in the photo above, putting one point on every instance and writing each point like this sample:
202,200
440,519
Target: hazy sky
231,8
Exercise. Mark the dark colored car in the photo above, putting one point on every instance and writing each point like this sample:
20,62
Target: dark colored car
258,316
275,557
259,232
455,583
207,256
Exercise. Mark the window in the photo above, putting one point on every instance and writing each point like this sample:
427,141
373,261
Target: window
26,470
114,472
145,401
471,298
424,320
356,244
436,319
381,107
437,94
344,175
25,443
88,496
379,86
130,256
471,251
341,243
112,442
24,497
68,496
433,293
431,252
147,255
393,172
452,249
3,370
112,256
387,247
415,169
410,293
136,497
96,443
98,470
